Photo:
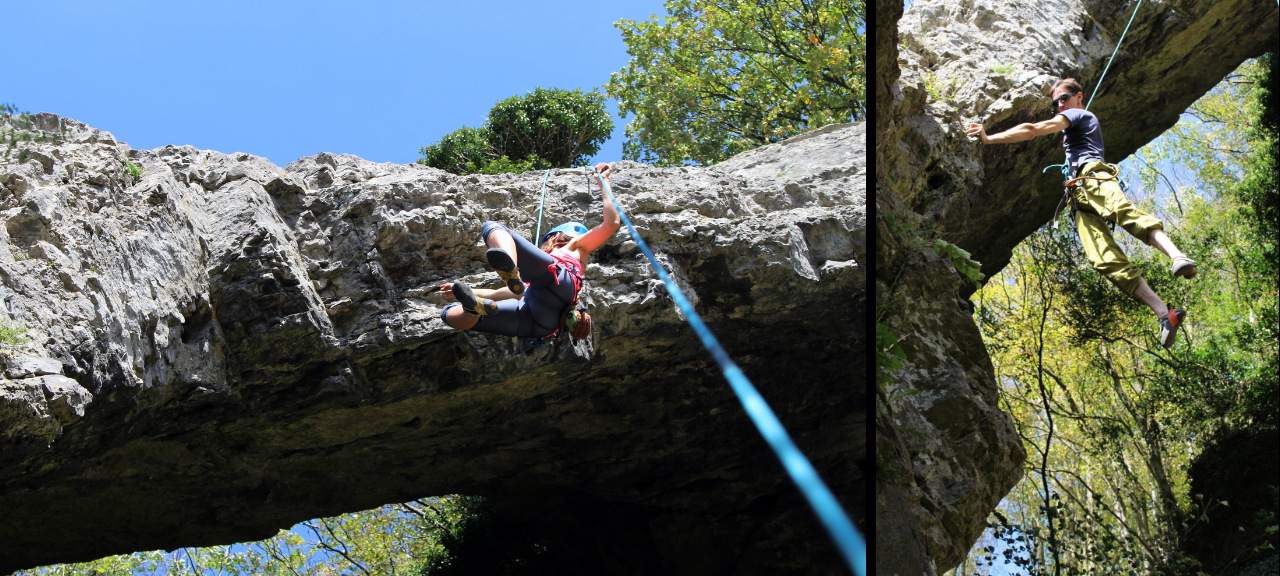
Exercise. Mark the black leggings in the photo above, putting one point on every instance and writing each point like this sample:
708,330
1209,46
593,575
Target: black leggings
538,313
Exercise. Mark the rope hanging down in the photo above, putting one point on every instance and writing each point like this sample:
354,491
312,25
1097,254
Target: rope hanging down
833,517
1113,54
538,234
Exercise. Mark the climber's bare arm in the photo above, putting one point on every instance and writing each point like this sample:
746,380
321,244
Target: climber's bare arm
597,236
499,294
1020,132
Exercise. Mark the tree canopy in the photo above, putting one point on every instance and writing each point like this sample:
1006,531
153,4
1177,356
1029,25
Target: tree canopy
718,77
425,537
546,128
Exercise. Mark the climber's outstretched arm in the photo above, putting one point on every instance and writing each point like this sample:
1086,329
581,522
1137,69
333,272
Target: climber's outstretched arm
598,235
499,294
1020,132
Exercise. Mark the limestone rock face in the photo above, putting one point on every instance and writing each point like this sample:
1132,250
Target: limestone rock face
218,347
943,65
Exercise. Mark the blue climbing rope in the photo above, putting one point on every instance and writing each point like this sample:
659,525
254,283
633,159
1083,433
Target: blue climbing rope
1113,54
824,504
1065,166
538,234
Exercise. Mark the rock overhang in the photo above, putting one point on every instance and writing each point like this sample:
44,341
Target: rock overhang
262,345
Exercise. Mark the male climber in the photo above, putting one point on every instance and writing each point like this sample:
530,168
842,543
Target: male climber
1096,198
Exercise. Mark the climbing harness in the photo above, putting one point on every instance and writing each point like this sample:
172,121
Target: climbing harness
1066,165
572,265
1072,183
828,510
1079,181
1068,185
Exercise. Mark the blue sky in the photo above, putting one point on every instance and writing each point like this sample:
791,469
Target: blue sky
286,80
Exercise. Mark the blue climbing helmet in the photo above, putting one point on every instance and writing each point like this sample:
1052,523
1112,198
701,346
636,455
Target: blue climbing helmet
571,229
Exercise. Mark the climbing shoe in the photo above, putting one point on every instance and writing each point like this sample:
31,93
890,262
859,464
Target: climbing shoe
470,304
501,261
1169,326
1184,267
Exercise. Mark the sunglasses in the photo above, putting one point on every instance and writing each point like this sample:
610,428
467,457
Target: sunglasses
1064,98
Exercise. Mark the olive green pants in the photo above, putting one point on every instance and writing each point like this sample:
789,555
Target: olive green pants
1109,202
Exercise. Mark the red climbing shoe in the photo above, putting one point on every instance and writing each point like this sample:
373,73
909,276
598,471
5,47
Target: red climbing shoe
470,304
1169,326
506,267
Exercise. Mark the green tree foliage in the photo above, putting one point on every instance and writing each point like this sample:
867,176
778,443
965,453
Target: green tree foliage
1116,427
447,536
1100,475
561,128
546,128
480,541
13,334
718,77
463,151
394,539
1259,191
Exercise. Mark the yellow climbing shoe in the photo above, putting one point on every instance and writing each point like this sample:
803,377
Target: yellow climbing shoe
470,304
501,261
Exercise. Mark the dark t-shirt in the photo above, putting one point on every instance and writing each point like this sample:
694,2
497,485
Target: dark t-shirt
1083,139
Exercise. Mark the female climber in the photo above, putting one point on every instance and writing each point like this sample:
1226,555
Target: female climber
553,271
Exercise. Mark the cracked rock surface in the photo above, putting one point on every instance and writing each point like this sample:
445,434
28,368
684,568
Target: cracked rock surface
220,347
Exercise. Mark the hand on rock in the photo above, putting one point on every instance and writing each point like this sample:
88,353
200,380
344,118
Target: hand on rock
447,291
582,328
977,130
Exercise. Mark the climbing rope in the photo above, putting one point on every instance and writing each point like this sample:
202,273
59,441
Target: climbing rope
1066,165
1113,55
824,504
538,234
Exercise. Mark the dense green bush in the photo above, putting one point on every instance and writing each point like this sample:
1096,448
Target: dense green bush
546,128
463,151
563,128
13,334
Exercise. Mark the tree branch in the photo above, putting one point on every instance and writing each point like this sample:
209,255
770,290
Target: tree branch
326,546
275,555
